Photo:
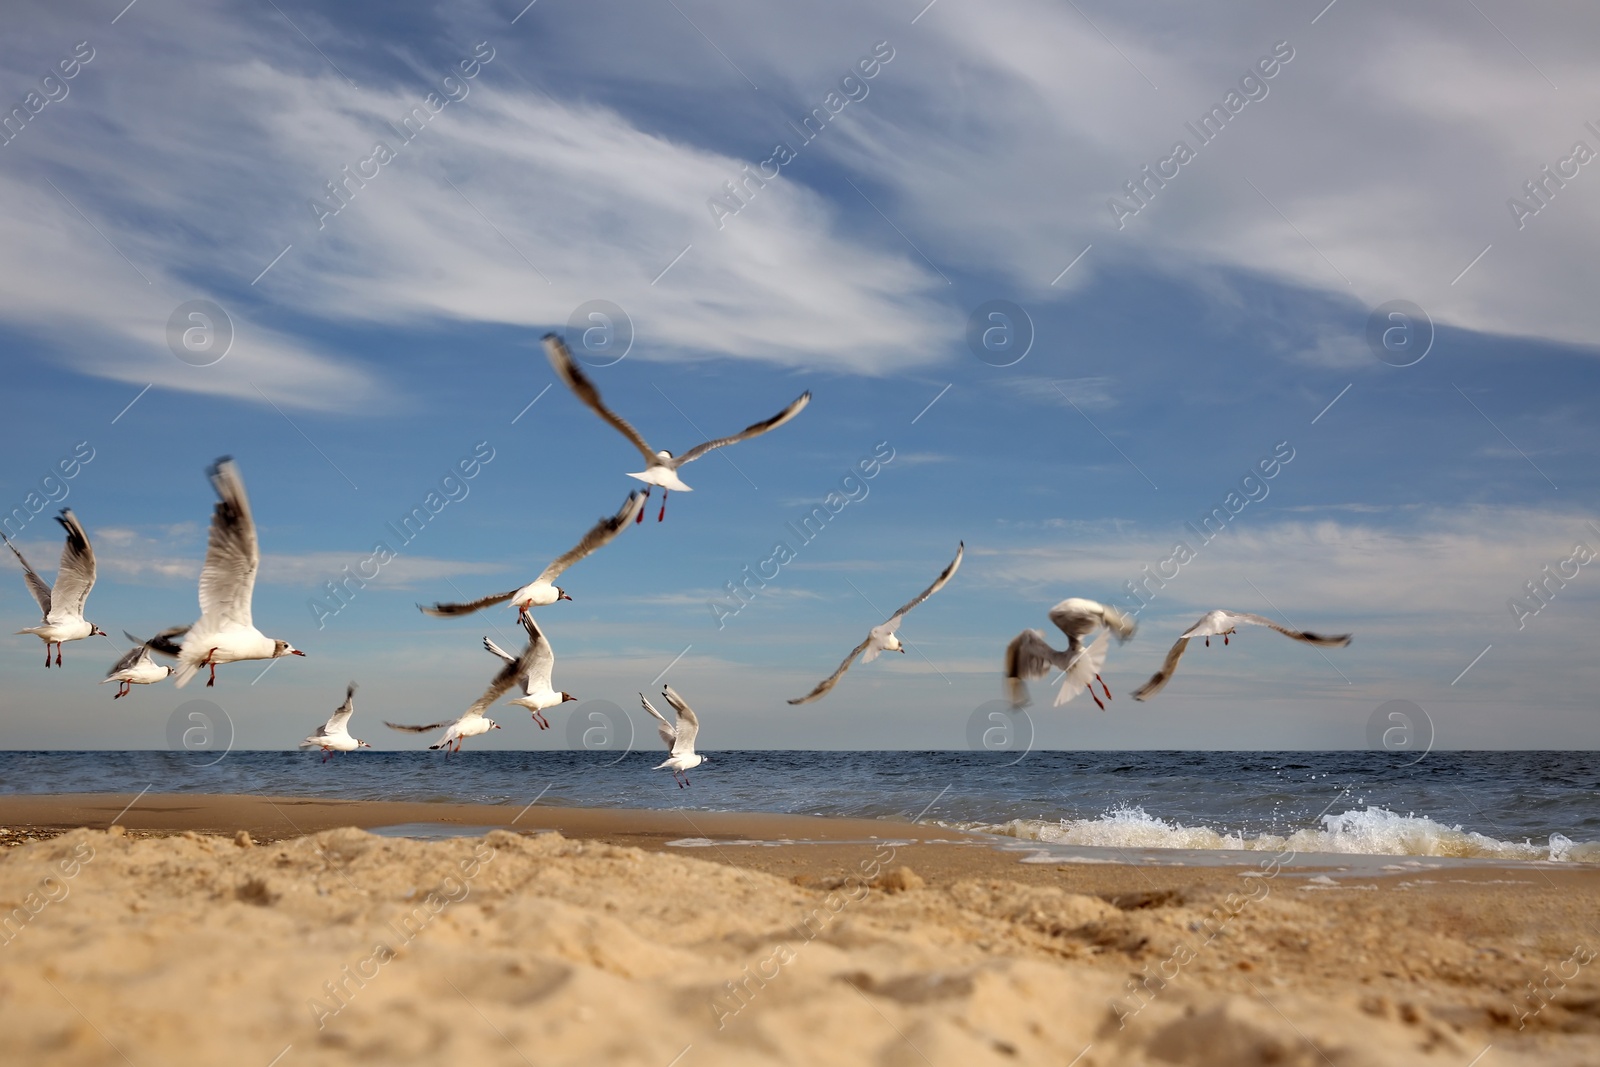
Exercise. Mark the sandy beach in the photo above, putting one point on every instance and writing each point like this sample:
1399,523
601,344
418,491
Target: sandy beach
277,931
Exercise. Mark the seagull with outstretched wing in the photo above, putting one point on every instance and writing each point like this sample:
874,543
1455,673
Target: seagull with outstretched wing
533,670
661,468
63,602
1222,623
334,735
136,667
883,638
543,590
678,736
225,632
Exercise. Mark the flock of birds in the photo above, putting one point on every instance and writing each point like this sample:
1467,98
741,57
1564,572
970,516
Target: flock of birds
225,632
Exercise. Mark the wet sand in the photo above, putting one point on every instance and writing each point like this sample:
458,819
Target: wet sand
632,936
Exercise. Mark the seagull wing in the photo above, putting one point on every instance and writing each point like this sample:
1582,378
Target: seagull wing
36,586
667,732
602,533
1158,681
448,610
1336,640
162,642
507,677
1077,618
129,659
538,659
938,583
75,577
688,725
1086,663
753,430
567,367
828,682
1029,655
419,729
228,579
339,722
490,646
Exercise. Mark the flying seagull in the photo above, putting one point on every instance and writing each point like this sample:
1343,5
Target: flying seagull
1029,655
63,603
542,590
531,671
225,632
1223,623
472,722
679,737
661,467
882,638
136,667
334,735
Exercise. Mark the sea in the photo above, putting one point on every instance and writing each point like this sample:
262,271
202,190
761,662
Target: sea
1499,806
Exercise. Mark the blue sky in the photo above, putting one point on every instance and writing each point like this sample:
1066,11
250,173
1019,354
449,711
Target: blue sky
376,347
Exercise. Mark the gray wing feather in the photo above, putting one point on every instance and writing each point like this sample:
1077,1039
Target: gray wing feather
566,367
602,533
688,725
417,729
162,642
664,729
448,610
36,586
828,682
233,555
129,658
75,576
938,584
1158,681
342,715
753,430
1336,640
1029,655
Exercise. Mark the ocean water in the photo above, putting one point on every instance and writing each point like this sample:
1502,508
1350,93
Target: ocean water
1542,806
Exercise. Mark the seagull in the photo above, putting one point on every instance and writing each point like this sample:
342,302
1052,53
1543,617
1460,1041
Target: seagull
1223,623
661,467
334,735
62,604
472,721
1029,655
542,590
882,638
225,633
136,667
679,739
531,671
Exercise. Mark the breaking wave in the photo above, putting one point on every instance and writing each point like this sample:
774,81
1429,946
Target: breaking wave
1369,832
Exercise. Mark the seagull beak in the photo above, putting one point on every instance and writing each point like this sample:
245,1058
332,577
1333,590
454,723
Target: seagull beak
563,596
296,652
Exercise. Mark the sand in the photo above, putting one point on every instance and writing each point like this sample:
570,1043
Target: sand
604,943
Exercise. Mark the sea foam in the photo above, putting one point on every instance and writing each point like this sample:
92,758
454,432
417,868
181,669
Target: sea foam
1370,831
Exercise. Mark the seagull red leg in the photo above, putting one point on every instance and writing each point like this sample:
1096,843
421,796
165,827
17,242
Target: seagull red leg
213,663
1103,685
58,653
663,512
640,518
